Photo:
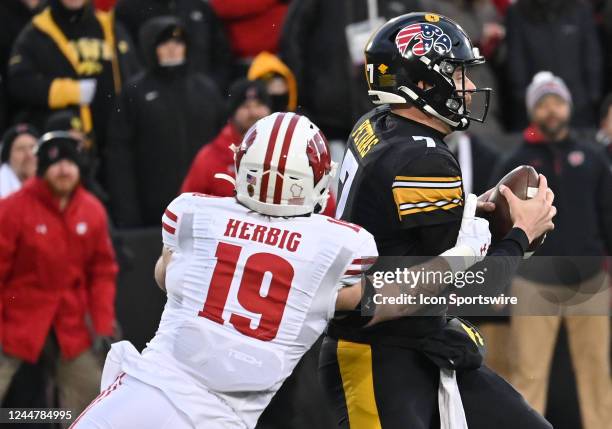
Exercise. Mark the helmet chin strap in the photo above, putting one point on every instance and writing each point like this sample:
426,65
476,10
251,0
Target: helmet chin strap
462,124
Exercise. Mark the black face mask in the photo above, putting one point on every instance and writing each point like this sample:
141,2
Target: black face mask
279,102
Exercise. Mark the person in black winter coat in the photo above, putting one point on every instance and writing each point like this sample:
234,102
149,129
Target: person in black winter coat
604,134
70,56
560,36
314,46
211,51
575,170
565,279
162,118
14,15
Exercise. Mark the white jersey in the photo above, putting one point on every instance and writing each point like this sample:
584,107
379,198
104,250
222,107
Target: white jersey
248,295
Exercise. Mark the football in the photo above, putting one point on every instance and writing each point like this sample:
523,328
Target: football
523,182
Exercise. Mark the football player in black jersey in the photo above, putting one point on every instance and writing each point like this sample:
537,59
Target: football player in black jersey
400,181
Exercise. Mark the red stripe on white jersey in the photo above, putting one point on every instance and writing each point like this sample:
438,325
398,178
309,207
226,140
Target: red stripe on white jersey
263,191
282,162
168,228
171,215
354,227
364,261
359,266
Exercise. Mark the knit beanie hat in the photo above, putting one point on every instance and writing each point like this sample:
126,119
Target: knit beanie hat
546,83
243,90
11,135
55,146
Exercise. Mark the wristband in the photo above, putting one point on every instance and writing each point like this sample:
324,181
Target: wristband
460,258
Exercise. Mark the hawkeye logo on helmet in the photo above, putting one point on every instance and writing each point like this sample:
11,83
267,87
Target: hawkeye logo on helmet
422,38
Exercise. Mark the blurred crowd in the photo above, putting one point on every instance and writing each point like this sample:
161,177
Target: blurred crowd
120,105
147,83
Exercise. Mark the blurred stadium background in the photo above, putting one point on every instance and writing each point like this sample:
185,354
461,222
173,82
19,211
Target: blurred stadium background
160,88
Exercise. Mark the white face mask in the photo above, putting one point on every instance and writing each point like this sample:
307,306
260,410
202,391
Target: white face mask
171,63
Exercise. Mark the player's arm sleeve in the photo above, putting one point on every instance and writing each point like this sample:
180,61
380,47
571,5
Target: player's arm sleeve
428,191
176,220
436,239
348,292
364,256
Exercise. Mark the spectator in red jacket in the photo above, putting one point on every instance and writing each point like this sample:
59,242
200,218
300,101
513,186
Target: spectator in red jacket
57,275
252,26
105,4
248,102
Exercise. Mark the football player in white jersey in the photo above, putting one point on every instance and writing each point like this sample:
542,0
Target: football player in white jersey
251,282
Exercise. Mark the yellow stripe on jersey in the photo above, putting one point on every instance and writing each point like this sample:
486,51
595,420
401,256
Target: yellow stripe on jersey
415,194
425,195
355,363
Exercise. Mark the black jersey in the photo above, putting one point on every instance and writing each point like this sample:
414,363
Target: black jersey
399,181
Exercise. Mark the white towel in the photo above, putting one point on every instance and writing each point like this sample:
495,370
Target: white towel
452,414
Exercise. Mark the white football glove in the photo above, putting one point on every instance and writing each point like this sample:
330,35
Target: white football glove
87,90
473,240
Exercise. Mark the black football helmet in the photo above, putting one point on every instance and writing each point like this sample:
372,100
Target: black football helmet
424,47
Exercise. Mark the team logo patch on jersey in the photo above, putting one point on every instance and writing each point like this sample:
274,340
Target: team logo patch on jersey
81,228
576,158
421,38
296,195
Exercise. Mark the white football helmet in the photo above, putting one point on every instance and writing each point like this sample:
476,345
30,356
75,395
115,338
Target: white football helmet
283,166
